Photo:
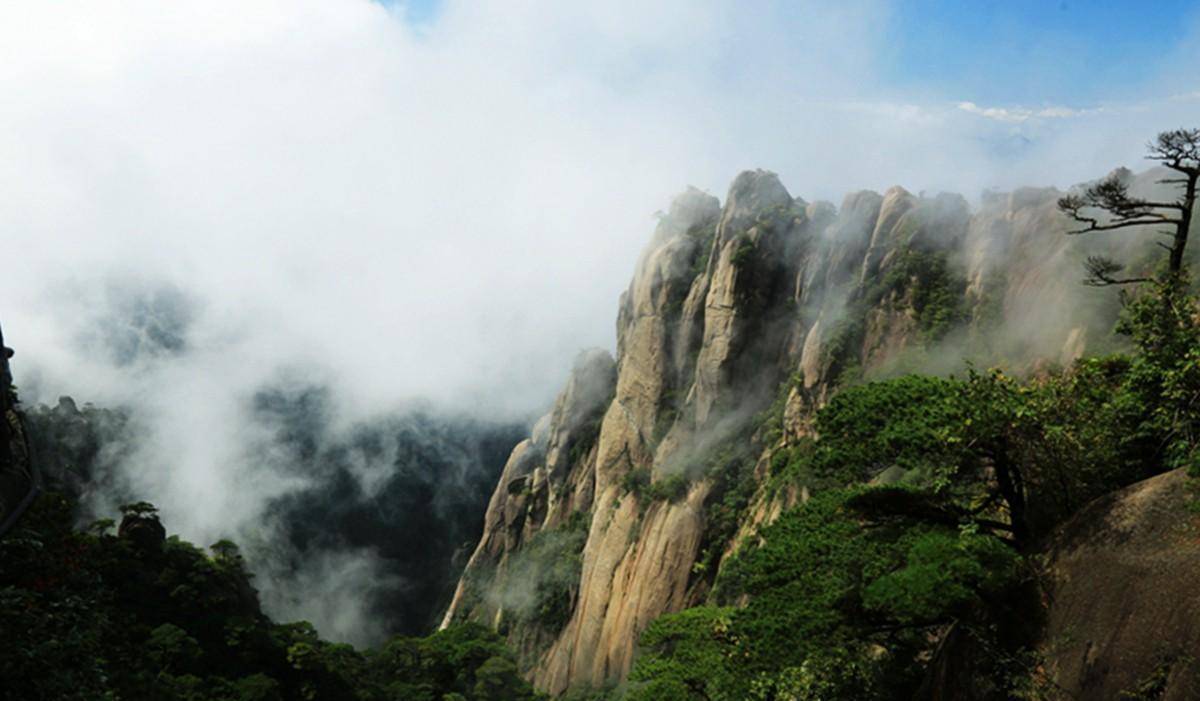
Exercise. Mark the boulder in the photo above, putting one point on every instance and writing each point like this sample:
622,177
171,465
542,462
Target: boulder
1123,615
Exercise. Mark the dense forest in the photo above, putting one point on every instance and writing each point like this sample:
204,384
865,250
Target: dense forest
92,614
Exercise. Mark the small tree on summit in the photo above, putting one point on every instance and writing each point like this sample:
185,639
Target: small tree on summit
1178,150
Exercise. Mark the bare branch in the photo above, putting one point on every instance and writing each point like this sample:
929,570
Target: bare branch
1163,205
1189,170
1094,225
1123,281
1178,149
1112,196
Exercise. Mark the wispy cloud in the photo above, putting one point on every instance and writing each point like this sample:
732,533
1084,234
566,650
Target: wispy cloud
1021,114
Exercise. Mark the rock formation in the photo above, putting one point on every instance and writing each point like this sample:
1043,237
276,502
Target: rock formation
1121,614
764,300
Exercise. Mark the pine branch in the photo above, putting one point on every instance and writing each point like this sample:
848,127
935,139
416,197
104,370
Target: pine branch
1101,272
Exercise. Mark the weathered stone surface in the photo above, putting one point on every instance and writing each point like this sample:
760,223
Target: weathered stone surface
762,240
634,570
896,203
1121,594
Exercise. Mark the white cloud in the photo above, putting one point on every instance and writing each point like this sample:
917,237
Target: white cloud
1021,114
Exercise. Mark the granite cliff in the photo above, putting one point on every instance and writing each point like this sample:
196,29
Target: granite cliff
741,318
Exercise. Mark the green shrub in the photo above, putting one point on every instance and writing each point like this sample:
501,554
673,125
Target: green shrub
636,481
684,656
670,488
743,253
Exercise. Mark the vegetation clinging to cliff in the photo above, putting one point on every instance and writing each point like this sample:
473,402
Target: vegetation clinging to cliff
827,596
545,579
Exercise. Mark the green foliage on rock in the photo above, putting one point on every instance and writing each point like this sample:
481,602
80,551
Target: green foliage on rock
543,579
686,656
1164,377
703,235
938,293
1026,453
730,471
640,483
944,572
836,606
905,422
636,481
743,253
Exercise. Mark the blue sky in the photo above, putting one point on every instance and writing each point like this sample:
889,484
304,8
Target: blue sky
1031,53
417,10
1035,51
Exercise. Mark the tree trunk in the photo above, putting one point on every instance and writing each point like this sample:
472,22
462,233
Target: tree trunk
1007,479
1185,223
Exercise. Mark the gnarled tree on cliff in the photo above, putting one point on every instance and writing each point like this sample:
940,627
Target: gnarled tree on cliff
1178,150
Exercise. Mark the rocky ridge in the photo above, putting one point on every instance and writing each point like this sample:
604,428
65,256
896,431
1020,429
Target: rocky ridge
740,319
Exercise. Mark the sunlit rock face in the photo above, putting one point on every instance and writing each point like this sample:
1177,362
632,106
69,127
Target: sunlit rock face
764,299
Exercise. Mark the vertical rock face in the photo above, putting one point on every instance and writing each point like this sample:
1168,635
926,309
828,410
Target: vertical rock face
759,240
731,308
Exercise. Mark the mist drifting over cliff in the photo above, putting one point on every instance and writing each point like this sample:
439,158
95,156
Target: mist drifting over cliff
212,203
